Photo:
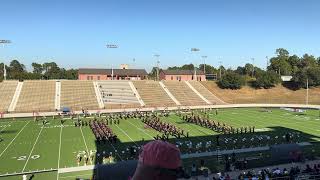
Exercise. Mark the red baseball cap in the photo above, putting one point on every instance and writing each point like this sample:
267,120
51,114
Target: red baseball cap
160,154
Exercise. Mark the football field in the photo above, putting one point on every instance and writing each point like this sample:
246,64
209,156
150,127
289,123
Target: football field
31,146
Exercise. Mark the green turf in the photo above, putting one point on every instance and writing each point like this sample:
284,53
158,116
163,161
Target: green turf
26,146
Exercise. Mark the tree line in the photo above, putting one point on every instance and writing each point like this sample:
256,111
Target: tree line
305,69
302,69
49,70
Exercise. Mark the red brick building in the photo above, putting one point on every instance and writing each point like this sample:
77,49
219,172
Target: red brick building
181,75
107,74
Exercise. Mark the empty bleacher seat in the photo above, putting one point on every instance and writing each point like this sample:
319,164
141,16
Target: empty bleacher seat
7,90
78,95
152,94
36,96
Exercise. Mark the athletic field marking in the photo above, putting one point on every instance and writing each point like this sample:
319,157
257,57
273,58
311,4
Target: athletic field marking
24,167
140,129
173,121
59,152
127,135
5,126
115,151
84,140
14,139
75,176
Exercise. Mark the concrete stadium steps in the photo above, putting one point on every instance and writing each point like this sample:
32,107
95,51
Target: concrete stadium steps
152,94
117,93
206,93
78,95
183,93
36,96
7,90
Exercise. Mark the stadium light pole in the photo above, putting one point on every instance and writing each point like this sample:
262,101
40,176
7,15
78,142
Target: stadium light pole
204,64
252,67
112,46
220,64
307,97
158,62
195,68
4,42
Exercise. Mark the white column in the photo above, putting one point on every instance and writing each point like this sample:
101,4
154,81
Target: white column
169,93
15,98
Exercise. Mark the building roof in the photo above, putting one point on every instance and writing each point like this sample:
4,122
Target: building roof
182,72
119,72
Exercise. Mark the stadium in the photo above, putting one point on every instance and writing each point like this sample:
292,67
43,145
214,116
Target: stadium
187,118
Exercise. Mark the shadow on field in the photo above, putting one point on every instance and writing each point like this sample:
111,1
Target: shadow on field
126,158
8,132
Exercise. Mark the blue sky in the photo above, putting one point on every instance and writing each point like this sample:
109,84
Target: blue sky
74,33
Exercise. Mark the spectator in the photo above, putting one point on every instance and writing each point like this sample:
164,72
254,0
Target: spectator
193,170
159,160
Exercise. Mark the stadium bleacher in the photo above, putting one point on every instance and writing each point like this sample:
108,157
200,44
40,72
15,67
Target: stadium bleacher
181,91
7,89
36,96
117,94
43,95
78,95
152,94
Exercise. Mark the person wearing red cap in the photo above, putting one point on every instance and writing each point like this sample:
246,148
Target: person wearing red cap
159,160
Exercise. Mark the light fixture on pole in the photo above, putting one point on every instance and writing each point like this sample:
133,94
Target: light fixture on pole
112,46
4,42
158,62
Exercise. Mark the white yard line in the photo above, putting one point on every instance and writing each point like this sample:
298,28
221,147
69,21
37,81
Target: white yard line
24,167
140,129
14,139
187,130
75,176
196,126
127,135
115,151
84,140
59,152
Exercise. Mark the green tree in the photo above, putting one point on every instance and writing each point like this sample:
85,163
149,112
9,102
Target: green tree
187,67
266,79
71,74
281,52
280,63
231,80
209,69
1,71
153,73
308,61
16,70
51,71
311,74
37,68
294,62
